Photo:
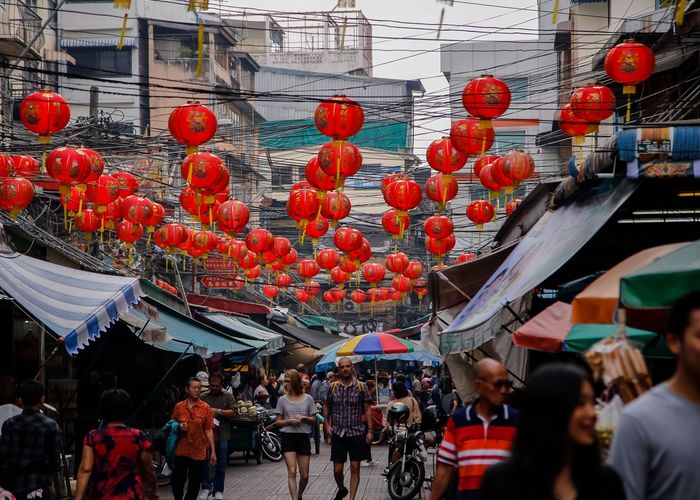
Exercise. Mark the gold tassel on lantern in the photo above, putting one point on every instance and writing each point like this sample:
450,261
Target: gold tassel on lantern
200,48
120,45
680,12
555,12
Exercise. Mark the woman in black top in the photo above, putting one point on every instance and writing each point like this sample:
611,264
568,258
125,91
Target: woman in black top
555,454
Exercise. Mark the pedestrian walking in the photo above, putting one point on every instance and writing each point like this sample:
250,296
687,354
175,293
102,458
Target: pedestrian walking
197,425
117,463
30,446
296,414
371,391
222,406
478,435
273,388
656,443
555,454
346,403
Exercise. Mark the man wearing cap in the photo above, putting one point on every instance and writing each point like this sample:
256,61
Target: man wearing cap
223,407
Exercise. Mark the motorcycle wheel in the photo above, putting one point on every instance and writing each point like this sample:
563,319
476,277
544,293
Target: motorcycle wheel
271,447
407,485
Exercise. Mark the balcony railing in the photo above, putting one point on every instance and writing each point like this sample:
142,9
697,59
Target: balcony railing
19,25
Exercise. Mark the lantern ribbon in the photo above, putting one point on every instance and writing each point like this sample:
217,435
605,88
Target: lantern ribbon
680,12
200,48
555,12
120,44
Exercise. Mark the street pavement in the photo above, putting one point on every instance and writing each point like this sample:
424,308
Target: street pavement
268,481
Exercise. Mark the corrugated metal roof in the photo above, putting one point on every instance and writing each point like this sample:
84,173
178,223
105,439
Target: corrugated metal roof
108,41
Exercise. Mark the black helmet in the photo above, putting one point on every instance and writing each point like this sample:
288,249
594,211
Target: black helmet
398,414
433,418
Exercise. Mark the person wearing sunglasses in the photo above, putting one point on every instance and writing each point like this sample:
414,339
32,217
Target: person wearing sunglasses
478,435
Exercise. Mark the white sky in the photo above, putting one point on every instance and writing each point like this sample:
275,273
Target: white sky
420,59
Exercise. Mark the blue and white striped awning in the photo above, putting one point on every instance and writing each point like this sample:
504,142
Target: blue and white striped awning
77,305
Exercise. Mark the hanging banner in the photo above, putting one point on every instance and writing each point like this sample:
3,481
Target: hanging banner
222,282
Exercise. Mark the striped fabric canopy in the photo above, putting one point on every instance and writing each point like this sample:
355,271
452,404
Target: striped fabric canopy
77,305
375,343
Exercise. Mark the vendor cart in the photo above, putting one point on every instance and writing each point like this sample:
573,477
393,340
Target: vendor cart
244,438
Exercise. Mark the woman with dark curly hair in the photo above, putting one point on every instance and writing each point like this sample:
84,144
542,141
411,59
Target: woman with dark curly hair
555,455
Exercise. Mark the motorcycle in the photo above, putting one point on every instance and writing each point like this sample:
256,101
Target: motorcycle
407,473
270,444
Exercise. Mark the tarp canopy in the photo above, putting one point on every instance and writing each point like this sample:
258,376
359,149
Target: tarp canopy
312,338
556,237
76,305
330,324
270,341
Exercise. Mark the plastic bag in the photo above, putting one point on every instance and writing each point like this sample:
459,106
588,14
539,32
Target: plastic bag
608,418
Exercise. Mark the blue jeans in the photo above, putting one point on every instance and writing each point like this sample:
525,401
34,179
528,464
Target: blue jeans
220,471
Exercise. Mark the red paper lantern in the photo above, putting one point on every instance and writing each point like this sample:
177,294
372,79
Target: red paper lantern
73,201
15,194
441,188
307,269
259,240
248,260
302,295
339,294
23,166
339,276
205,242
517,165
487,180
401,283
222,244
396,295
444,157
465,257
328,258
192,124
347,239
170,236
339,159
482,161
289,258
6,166
284,281
87,223
396,262
486,97
68,166
336,207
111,214
232,217
480,212
329,297
362,254
201,170
316,228
420,288
44,113
281,247
302,206
96,162
358,296
313,288
403,195
438,226
373,273
252,273
301,185
512,205
188,243
236,250
220,186
441,246
593,103
572,125
395,224
270,291
318,178
398,176
102,192
127,183
470,138
498,176
347,264
129,232
137,209
339,117
414,270
629,63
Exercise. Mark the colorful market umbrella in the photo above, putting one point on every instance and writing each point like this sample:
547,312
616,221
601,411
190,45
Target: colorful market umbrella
375,343
648,293
329,356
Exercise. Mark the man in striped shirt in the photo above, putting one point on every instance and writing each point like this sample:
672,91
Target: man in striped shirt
477,436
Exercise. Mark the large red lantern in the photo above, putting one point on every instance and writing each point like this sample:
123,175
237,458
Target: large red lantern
328,258
401,283
137,209
414,270
259,240
499,177
330,297
316,228
313,288
232,217
252,273
202,170
270,291
157,217
362,254
339,117
440,247
102,192
339,159
307,269
129,232
572,125
318,178
398,176
111,214
73,201
403,195
438,226
205,242
347,239
339,276
488,181
480,212
302,206
68,166
24,166
236,250
420,288
127,183
464,257
482,161
87,223
517,165
593,103
96,162
347,264
373,273
395,224
512,205
6,166
396,262
336,207
441,188
486,97
15,194
443,156
284,281
192,124
170,236
629,63
302,295
470,138
44,113
281,247
358,296
289,258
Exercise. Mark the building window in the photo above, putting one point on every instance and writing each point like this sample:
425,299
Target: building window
100,62
518,88
282,175
370,176
509,140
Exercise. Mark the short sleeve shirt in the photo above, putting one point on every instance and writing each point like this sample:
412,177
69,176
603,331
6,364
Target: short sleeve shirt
347,408
223,401
288,409
199,419
117,450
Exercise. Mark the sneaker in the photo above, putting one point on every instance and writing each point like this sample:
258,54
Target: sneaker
366,463
218,496
204,495
341,493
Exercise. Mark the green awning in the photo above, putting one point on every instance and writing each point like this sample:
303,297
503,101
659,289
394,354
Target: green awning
319,321
246,332
582,336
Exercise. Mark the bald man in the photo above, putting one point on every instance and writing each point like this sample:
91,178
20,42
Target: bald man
477,436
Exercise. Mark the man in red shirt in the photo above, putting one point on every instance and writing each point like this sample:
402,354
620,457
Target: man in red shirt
197,427
477,436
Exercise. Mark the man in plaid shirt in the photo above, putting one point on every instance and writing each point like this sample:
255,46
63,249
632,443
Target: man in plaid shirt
30,446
